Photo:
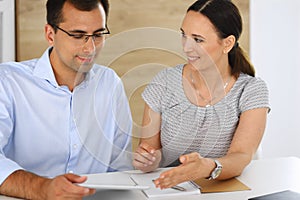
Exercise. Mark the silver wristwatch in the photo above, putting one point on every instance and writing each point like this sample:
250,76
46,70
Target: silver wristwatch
217,171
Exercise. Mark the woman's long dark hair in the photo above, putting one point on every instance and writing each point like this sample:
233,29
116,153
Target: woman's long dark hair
226,18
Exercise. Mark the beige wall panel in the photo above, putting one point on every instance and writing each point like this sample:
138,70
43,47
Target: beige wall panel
243,6
124,15
31,19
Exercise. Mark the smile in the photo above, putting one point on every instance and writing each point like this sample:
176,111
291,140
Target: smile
85,59
193,58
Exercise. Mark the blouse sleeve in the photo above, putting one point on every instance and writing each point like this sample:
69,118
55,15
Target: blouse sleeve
255,95
155,90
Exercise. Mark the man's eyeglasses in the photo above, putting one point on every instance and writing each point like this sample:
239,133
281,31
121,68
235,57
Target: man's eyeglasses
82,38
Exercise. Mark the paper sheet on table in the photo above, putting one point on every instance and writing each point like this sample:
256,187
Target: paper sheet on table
146,179
111,181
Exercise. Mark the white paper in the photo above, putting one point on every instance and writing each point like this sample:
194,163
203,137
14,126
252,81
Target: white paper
112,181
146,180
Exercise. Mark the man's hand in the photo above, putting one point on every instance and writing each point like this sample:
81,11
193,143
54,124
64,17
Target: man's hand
26,185
65,187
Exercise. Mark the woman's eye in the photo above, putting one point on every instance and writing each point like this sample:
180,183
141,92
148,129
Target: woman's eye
183,35
198,40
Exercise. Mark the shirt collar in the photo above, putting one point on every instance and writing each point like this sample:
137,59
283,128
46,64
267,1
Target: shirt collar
43,69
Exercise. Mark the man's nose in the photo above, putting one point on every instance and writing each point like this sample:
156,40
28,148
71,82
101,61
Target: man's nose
89,45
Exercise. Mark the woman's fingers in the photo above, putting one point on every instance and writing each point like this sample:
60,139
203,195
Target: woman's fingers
191,157
143,155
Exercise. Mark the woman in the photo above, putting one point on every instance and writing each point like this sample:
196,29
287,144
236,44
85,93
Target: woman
206,117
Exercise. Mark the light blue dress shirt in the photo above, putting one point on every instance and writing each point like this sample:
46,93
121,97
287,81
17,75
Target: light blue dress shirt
49,130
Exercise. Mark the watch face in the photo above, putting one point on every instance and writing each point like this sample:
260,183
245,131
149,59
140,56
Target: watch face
216,173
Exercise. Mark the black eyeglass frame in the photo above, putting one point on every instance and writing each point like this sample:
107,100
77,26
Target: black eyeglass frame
86,36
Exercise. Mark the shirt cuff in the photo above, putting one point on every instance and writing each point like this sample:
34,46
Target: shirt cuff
7,168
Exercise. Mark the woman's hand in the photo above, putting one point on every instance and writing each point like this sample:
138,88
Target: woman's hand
193,167
146,158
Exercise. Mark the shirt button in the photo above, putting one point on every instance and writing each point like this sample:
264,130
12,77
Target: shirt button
75,146
71,172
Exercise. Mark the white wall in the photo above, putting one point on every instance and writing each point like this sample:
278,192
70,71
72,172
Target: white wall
275,52
7,30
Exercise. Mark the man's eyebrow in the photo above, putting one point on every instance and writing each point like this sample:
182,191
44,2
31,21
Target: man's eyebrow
84,32
99,30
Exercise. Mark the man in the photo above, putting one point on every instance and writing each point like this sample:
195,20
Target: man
63,115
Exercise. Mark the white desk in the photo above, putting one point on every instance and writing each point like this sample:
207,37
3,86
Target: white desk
262,176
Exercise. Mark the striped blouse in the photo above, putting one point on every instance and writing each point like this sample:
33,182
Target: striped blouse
187,128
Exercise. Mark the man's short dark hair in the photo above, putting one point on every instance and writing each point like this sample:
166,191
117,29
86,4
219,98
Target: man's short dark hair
54,8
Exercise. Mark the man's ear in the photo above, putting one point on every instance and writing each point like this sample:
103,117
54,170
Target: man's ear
228,43
49,34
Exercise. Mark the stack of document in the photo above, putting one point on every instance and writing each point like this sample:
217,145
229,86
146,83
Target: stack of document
112,181
146,179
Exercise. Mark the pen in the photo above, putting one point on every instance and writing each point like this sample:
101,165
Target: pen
176,187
